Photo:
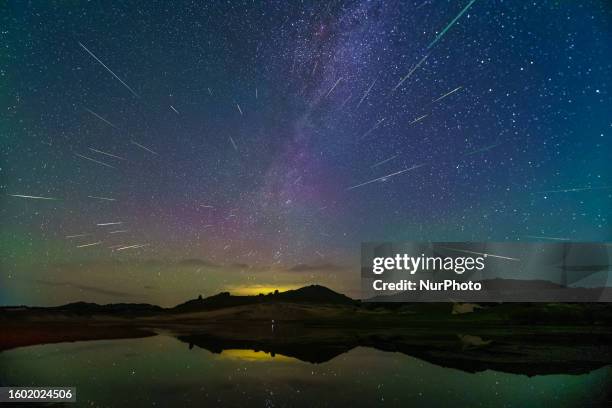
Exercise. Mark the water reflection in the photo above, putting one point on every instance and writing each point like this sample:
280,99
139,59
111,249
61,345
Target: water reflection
162,371
254,355
519,351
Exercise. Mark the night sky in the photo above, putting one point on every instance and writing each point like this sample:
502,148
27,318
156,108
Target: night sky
250,146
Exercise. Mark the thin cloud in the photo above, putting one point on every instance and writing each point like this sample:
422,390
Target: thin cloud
198,262
328,267
86,288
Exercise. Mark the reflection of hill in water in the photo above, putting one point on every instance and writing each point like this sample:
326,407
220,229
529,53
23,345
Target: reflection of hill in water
513,351
311,353
254,355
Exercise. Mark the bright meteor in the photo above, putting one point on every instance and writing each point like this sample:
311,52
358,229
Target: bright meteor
483,254
94,160
109,70
447,94
33,197
88,245
454,20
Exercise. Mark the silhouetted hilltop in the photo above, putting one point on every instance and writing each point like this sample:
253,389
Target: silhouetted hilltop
315,294
218,301
308,294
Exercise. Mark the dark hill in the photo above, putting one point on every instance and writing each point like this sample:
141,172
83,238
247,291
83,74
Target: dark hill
218,301
308,294
315,294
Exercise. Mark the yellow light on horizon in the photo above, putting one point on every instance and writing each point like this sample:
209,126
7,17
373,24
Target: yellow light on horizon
257,289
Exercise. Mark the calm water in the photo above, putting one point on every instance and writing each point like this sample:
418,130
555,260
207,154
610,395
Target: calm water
162,371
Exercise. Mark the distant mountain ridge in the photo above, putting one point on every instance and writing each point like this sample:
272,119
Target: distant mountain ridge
86,308
313,294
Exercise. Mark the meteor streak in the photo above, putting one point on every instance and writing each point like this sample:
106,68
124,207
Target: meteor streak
383,161
101,118
410,73
420,118
174,109
233,143
94,160
109,223
102,198
143,147
88,245
333,87
33,197
109,70
345,101
76,236
551,238
482,253
365,95
571,190
447,94
454,20
105,153
130,247
385,178
484,149
373,128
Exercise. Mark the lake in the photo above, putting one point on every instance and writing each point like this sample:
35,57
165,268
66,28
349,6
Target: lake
163,371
